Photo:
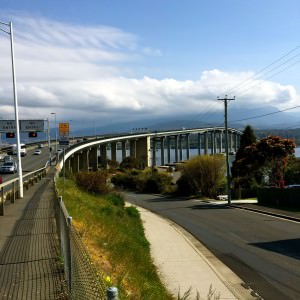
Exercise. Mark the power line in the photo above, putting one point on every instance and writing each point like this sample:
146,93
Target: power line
261,72
268,114
252,81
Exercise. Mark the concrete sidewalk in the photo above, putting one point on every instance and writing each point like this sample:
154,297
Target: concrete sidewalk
29,247
184,263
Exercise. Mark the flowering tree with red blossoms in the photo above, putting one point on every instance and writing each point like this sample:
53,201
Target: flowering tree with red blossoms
270,153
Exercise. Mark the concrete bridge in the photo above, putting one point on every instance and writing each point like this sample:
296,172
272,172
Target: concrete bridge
144,147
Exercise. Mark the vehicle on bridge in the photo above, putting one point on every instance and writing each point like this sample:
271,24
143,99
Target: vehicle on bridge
23,150
9,167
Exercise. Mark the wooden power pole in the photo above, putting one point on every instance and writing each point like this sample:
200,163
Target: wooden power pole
225,99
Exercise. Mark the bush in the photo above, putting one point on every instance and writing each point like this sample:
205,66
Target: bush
116,199
94,182
279,197
130,163
153,182
185,186
206,173
146,182
125,180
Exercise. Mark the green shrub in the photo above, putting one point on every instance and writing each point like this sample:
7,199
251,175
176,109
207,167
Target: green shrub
206,173
153,183
130,162
116,199
146,181
185,186
124,180
279,197
132,212
94,182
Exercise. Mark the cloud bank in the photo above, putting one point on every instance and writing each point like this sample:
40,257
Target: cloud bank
83,72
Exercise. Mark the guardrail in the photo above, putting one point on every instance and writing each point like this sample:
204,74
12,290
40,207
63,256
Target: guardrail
9,189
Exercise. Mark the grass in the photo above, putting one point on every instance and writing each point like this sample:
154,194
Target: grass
115,239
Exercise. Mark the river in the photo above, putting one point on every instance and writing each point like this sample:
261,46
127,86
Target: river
193,152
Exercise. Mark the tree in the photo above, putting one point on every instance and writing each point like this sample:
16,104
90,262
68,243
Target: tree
130,162
264,159
292,172
275,151
206,173
242,170
247,138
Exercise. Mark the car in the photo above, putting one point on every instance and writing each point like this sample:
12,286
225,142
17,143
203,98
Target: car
41,146
60,151
292,186
2,156
9,167
8,158
37,152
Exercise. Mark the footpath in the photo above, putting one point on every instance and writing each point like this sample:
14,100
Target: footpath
186,265
29,247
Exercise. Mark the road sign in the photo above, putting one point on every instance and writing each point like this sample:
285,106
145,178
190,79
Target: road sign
25,125
7,126
64,129
32,125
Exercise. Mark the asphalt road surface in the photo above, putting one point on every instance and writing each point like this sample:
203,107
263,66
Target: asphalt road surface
29,163
263,250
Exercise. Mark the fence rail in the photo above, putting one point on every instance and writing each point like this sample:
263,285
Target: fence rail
84,281
9,189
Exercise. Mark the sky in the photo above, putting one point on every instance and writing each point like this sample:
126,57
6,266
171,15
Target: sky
108,61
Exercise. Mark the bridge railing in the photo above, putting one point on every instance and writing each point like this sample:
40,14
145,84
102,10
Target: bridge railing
9,189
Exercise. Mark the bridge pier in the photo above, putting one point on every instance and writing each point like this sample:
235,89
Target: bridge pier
153,152
132,148
162,150
199,143
93,158
180,147
168,149
142,151
176,147
206,143
187,142
124,149
83,162
113,151
75,162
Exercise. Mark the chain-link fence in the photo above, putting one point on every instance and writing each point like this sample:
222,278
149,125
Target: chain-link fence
84,282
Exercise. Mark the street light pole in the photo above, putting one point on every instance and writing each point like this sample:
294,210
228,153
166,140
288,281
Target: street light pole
53,113
49,141
10,33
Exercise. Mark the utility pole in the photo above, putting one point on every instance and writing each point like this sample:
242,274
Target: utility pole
225,99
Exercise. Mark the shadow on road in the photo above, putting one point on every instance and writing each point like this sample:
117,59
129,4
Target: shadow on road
211,206
289,248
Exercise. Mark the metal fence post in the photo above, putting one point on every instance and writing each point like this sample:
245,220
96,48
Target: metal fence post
112,293
69,254
13,198
2,202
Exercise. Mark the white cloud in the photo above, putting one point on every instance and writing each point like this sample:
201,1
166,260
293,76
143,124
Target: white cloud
81,71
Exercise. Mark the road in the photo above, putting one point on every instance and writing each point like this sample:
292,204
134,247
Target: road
30,163
263,250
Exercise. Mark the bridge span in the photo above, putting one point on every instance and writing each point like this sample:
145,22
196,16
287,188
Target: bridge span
144,147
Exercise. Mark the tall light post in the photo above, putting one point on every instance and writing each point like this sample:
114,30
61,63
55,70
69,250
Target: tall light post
53,113
49,140
10,33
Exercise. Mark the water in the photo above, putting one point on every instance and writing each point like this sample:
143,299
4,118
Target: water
193,152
